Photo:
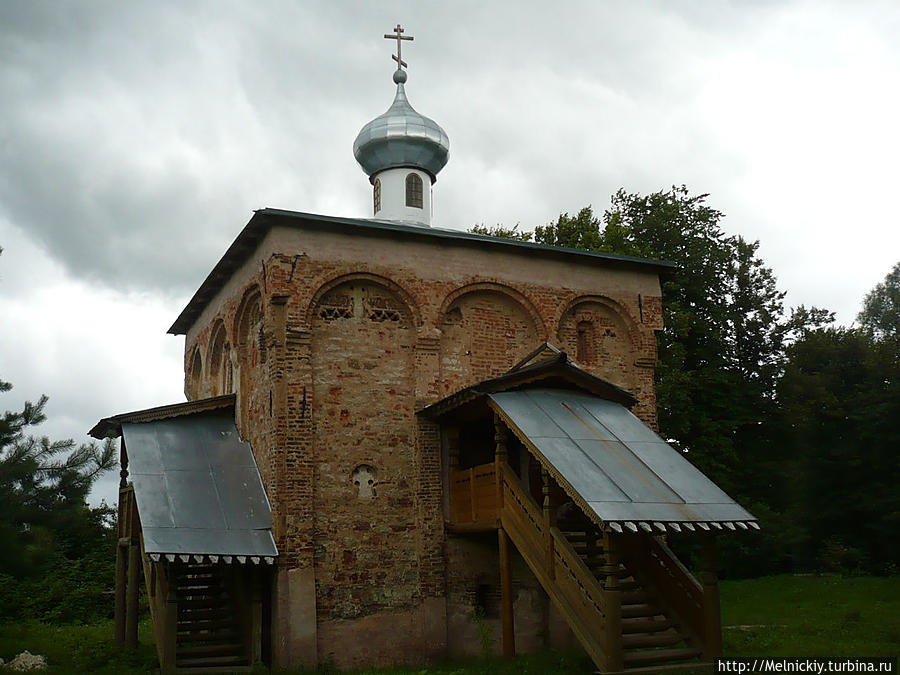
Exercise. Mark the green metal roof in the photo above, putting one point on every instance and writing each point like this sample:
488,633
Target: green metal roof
264,219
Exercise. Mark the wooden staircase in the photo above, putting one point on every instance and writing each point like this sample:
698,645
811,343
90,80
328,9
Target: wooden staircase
651,633
208,632
629,601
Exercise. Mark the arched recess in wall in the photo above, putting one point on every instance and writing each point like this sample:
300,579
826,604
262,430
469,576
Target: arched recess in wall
219,361
247,333
362,402
485,329
195,375
360,279
598,334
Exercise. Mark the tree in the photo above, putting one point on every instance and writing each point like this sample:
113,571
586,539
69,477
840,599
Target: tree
43,490
880,315
721,350
840,406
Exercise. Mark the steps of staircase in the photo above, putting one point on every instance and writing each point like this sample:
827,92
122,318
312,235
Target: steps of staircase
210,662
219,637
645,625
201,613
645,658
202,602
205,624
635,597
644,609
665,638
219,649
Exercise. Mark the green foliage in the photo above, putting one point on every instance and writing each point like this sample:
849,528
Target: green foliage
880,315
486,639
840,406
502,232
55,551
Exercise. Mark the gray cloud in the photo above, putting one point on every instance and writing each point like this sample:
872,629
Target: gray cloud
136,139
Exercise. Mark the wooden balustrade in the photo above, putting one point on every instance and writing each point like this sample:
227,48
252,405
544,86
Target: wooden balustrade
568,581
473,495
657,566
492,495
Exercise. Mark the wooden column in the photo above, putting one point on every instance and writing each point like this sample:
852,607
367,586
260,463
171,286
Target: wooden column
499,457
131,600
256,614
549,523
121,574
712,618
506,599
612,631
166,593
121,551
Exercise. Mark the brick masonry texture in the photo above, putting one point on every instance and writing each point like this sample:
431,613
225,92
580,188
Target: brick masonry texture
332,342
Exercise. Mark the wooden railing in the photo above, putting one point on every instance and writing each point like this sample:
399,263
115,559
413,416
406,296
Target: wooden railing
473,495
656,566
493,495
567,580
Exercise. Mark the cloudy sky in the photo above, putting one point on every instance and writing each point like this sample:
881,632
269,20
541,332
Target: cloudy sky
136,138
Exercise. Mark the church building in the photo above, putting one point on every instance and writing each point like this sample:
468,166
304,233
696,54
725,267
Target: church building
400,440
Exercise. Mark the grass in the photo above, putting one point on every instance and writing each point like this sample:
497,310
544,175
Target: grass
811,616
772,616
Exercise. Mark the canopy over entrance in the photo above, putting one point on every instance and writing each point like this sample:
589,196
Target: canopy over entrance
614,464
196,484
618,470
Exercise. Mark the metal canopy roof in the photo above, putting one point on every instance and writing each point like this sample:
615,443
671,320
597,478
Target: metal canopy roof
616,466
198,489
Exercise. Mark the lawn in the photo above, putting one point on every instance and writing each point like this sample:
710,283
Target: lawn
772,616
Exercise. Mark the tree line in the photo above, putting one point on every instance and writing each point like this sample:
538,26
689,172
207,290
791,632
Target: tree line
795,417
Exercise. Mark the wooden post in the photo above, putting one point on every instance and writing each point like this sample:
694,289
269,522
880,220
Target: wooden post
549,523
256,615
712,618
499,457
612,633
506,599
131,600
169,632
121,561
121,574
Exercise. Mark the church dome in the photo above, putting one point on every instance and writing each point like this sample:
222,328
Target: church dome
401,137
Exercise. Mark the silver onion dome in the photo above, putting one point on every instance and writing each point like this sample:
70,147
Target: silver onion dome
401,137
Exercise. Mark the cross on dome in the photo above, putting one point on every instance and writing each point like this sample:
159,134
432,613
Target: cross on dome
398,36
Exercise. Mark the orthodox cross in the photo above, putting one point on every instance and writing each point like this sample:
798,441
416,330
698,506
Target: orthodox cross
398,36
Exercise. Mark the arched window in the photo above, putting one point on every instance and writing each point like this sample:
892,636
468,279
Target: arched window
218,355
584,346
414,191
376,195
196,372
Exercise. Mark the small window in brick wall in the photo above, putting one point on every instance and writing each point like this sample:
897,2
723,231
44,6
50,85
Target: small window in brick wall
585,342
382,309
487,601
337,307
364,479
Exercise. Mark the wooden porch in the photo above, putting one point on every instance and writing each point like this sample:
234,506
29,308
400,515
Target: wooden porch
630,602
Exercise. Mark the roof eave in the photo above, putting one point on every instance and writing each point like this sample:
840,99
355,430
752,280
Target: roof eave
263,219
111,427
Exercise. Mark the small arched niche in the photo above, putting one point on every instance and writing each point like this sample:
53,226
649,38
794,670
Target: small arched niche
364,479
